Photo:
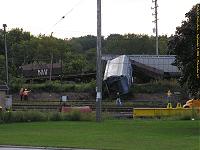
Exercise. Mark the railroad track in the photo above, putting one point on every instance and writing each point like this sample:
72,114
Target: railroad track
18,106
110,107
121,111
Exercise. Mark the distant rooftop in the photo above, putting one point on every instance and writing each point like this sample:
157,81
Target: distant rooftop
4,87
161,62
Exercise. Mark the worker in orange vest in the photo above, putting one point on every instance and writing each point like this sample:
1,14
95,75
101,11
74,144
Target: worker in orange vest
25,94
21,93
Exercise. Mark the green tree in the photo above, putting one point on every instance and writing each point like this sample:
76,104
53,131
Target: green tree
73,63
130,44
183,45
84,43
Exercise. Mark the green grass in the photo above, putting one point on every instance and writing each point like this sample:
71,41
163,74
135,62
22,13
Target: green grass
108,135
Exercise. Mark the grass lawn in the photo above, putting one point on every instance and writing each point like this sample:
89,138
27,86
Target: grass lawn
108,135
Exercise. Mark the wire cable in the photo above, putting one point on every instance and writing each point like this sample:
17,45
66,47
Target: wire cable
66,14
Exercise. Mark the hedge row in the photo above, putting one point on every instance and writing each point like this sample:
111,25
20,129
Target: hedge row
56,86
157,86
33,116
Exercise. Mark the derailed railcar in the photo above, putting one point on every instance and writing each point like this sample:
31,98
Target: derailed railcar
118,75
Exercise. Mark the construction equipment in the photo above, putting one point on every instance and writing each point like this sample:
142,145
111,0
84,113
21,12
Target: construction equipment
192,103
191,107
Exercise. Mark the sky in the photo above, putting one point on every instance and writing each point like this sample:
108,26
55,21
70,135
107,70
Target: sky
118,16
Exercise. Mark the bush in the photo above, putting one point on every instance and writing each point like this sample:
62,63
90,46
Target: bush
56,86
35,116
55,116
16,83
158,86
76,115
32,116
22,116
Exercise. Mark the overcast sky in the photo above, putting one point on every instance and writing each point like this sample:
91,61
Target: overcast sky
118,16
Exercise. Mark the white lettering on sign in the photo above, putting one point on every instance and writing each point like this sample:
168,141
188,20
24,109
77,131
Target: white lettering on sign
42,72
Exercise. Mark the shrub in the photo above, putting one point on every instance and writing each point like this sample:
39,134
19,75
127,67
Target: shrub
75,115
35,116
55,116
56,86
31,116
158,86
22,116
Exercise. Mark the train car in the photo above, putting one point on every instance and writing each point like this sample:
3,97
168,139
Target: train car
42,70
118,75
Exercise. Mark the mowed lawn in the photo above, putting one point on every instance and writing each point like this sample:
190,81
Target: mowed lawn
108,135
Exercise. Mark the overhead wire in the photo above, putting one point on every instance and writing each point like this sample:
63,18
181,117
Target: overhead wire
67,13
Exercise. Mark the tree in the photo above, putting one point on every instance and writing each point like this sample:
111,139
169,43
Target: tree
183,45
84,43
130,44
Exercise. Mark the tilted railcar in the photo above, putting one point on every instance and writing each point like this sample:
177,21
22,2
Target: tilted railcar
118,75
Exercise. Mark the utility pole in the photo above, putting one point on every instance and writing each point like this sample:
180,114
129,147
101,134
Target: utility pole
98,65
6,53
51,67
155,30
198,40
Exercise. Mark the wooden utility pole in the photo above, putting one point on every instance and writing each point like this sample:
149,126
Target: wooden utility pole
156,22
98,65
6,53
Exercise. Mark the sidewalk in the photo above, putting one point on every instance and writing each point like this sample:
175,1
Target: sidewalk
9,147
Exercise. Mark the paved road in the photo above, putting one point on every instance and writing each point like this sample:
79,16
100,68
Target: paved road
18,149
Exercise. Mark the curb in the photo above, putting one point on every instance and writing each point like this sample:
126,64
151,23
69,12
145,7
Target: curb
40,148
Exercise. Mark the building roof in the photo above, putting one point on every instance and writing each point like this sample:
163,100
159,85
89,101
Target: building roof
160,62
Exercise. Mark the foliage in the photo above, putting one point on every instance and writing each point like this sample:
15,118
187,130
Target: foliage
78,55
82,44
157,86
33,116
134,44
22,116
54,86
183,45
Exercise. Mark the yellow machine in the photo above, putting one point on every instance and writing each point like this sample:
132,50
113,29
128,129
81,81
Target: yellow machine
160,112
187,109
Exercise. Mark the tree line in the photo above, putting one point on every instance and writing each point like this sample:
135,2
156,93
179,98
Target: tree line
77,54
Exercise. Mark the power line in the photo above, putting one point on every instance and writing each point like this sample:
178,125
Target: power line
67,13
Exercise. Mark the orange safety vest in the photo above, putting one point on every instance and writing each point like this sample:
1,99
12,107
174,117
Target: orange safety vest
25,93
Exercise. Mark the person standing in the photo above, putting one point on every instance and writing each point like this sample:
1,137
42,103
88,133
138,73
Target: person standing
25,94
118,100
21,93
